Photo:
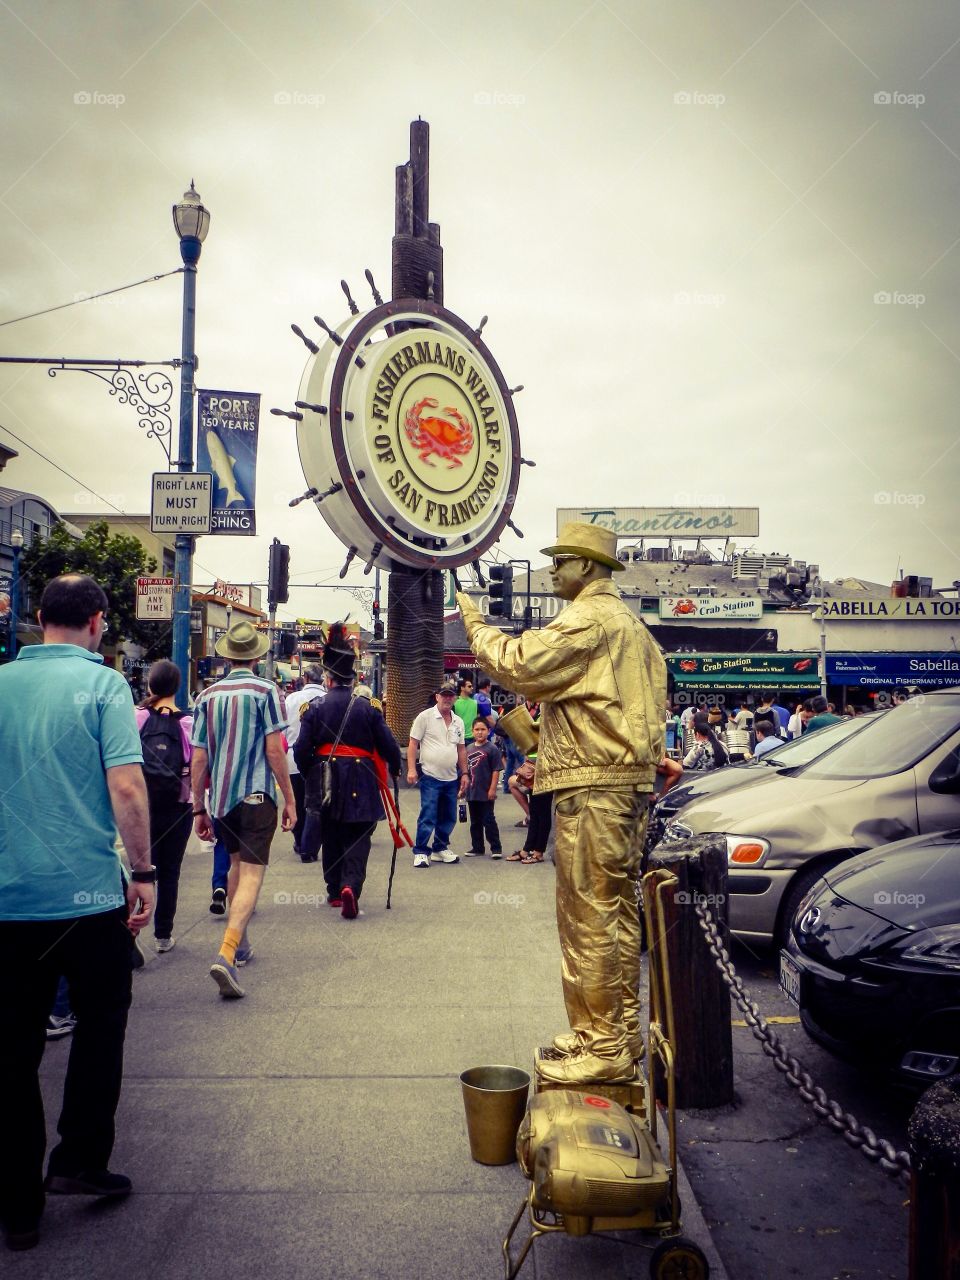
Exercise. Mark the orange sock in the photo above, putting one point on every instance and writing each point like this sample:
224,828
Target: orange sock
228,948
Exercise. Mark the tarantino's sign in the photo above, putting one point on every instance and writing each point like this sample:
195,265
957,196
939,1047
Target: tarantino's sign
668,522
436,431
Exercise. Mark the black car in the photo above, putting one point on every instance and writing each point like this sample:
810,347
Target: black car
873,958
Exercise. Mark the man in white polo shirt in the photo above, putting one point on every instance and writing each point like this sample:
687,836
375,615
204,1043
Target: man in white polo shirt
439,735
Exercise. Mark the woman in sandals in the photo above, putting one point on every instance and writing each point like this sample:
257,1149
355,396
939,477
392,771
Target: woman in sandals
540,806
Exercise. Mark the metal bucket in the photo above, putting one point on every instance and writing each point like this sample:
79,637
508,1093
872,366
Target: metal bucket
494,1099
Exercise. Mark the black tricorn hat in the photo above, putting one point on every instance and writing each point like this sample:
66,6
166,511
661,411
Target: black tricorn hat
338,653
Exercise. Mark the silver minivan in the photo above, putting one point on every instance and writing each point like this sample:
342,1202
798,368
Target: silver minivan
898,776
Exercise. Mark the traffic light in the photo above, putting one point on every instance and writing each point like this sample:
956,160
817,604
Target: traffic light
377,621
288,644
278,576
501,591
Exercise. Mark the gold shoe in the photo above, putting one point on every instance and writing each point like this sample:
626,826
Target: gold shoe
569,1043
566,1043
587,1069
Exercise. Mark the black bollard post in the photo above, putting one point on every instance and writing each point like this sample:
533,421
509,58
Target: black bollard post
934,1136
702,1035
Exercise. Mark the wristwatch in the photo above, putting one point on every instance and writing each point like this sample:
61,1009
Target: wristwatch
199,813
148,876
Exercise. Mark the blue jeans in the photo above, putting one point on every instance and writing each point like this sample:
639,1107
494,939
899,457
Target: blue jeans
515,759
438,814
221,864
61,1006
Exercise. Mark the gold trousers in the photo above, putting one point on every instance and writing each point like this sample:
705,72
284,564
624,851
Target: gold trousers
599,841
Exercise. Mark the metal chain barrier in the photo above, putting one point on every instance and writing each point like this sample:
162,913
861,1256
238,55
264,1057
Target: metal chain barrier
890,1160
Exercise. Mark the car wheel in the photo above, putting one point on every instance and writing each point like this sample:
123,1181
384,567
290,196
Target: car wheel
796,891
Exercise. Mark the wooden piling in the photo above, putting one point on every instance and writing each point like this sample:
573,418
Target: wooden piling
702,1035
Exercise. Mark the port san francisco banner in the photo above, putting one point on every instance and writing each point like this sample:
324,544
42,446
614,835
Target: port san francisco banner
228,424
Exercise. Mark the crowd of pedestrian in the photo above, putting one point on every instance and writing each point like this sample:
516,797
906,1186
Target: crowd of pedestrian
322,764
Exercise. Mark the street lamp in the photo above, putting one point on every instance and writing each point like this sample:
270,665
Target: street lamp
16,541
818,583
192,222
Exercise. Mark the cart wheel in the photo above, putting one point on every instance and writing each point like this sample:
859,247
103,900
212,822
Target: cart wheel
678,1259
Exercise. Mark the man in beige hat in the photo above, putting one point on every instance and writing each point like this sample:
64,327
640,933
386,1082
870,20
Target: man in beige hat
602,682
238,751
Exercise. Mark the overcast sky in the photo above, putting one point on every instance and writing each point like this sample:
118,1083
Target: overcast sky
681,219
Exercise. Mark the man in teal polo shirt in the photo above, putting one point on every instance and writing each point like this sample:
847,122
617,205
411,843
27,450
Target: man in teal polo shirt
71,777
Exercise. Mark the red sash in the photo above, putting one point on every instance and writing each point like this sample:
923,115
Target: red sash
399,832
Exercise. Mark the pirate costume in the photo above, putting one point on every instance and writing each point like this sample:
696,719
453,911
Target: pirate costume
344,750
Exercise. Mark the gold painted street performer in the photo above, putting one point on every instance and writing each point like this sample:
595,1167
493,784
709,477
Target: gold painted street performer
602,683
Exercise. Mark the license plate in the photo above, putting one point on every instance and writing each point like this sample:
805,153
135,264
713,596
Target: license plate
789,979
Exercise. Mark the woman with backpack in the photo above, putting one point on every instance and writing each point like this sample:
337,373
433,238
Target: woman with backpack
708,751
165,739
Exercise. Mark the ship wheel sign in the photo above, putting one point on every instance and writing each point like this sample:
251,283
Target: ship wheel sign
408,437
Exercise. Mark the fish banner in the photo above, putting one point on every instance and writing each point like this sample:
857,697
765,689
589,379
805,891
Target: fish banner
227,431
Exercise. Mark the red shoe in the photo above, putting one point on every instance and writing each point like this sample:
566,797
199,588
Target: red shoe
334,902
349,907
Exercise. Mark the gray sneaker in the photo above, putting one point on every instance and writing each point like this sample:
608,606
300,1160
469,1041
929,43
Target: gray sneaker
165,944
224,975
443,855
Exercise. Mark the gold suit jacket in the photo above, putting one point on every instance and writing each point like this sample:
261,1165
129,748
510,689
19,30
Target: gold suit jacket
602,682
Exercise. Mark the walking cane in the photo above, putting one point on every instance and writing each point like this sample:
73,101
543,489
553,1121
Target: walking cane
393,860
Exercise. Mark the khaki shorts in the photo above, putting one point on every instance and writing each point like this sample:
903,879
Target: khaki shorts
248,829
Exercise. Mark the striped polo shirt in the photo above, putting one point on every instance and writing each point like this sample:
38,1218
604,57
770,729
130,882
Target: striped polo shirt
231,721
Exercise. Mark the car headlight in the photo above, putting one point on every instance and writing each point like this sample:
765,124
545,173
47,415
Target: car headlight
747,851
939,945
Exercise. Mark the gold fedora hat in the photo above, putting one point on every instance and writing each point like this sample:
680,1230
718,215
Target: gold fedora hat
587,540
521,728
243,643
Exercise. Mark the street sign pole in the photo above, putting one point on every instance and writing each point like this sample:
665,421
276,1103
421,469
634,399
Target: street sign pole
183,568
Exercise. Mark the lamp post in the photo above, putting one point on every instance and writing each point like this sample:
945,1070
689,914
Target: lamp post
192,221
16,541
823,640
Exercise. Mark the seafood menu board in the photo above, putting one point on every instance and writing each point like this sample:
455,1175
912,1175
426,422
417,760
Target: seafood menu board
228,424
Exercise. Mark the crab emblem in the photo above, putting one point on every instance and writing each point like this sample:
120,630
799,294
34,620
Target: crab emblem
449,437
688,664
684,606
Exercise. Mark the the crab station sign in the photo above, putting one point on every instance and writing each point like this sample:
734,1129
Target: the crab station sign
410,423
721,607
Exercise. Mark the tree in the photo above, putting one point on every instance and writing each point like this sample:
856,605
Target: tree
115,562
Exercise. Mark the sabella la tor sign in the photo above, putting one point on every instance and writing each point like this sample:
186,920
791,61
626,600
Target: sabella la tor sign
408,437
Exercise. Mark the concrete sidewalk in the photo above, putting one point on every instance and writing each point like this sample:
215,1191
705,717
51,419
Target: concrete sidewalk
315,1128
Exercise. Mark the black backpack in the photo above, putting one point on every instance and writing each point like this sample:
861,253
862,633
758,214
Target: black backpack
162,743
